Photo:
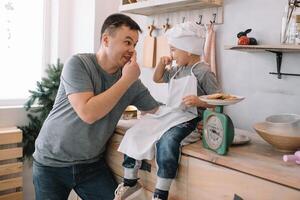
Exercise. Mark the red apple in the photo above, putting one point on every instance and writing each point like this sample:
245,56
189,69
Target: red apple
244,40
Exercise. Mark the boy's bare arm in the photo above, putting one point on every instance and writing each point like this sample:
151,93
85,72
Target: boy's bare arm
194,101
160,69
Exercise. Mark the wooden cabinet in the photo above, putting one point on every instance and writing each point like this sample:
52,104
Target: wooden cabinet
254,171
153,7
211,181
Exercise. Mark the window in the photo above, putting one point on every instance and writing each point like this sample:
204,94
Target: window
21,48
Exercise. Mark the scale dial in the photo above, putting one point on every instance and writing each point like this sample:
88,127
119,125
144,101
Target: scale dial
214,132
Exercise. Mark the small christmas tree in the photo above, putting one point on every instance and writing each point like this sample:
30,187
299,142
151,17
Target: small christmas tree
43,97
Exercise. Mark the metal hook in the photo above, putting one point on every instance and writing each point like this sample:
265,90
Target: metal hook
151,28
167,25
215,16
183,19
167,22
200,20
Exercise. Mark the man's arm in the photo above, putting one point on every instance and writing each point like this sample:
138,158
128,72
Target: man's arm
91,108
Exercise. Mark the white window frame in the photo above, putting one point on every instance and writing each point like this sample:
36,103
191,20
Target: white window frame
46,48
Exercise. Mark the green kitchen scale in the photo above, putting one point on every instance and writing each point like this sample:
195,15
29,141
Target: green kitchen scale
218,129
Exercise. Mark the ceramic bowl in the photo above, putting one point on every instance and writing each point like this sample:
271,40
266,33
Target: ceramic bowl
283,119
283,123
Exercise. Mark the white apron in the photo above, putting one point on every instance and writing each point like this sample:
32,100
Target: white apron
139,141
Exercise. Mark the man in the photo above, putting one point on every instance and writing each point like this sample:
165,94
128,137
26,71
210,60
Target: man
94,91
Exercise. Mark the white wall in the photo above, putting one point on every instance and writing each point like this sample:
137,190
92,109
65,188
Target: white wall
76,28
241,73
102,10
247,74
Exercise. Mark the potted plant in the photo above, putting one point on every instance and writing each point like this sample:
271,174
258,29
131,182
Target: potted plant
39,105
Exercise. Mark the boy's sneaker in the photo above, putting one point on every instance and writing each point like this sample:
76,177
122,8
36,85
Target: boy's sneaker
156,198
127,193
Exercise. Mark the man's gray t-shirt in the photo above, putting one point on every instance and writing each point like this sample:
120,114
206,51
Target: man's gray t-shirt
207,81
65,139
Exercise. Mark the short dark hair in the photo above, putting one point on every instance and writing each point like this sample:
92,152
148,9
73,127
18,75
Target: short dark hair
117,20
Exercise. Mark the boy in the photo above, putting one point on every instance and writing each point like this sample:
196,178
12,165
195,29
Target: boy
164,132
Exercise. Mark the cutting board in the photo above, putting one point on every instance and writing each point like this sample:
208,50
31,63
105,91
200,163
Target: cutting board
149,49
162,46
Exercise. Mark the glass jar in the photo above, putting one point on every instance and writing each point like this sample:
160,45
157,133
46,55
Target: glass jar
292,31
288,23
297,39
284,26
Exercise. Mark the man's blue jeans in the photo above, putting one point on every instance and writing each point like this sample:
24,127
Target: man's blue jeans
168,149
92,181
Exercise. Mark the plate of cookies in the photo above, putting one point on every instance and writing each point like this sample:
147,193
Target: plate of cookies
221,99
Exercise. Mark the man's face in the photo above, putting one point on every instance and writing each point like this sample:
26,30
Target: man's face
120,45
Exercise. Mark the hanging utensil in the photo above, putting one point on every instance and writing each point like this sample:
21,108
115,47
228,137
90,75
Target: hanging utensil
149,49
163,48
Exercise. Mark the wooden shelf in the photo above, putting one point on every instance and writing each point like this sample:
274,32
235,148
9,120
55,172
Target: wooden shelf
278,50
153,7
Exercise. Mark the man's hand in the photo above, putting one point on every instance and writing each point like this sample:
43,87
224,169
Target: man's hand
131,70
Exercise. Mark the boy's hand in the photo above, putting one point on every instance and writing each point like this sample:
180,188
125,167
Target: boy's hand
165,60
193,101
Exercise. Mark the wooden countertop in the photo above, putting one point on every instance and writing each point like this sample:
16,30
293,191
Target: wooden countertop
257,158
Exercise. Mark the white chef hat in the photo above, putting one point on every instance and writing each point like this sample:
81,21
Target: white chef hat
187,36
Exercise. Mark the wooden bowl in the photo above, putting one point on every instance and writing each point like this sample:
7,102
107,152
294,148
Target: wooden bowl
130,113
281,140
132,1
